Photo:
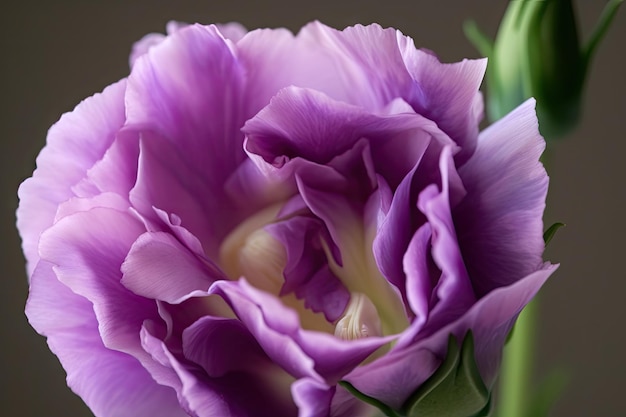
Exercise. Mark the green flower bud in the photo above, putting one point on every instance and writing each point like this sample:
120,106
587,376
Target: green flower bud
537,53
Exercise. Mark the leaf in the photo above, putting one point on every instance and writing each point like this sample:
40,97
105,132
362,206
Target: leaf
549,234
456,389
609,12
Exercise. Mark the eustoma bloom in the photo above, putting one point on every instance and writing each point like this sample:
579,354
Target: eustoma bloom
251,219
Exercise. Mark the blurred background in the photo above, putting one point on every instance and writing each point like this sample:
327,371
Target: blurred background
55,53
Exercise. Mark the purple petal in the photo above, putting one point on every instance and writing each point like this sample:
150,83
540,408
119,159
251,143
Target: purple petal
394,233
78,204
143,45
299,122
117,170
302,353
189,89
195,395
221,346
280,60
159,267
393,377
307,273
454,290
87,250
378,65
408,365
421,274
223,370
166,181
232,31
447,94
499,223
367,62
74,144
313,397
122,385
272,324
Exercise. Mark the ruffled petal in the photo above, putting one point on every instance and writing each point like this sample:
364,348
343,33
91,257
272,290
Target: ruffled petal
167,182
313,397
306,272
186,98
453,293
74,144
299,122
378,65
233,31
271,323
197,396
159,267
421,275
447,94
116,172
407,366
111,383
189,89
87,250
231,356
499,223
366,61
302,353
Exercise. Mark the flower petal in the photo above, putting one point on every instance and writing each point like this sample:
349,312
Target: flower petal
87,250
499,223
189,90
312,397
299,122
222,345
74,144
453,291
196,395
302,353
159,267
186,95
110,382
307,273
378,65
408,365
272,324
167,182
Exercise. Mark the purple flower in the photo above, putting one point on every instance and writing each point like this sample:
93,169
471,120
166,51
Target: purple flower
250,218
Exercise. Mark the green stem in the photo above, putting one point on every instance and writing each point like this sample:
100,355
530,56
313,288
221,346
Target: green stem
515,389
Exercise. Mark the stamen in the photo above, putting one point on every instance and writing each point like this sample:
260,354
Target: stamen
360,319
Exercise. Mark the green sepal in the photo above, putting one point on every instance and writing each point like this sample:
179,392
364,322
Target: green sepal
456,389
384,408
549,234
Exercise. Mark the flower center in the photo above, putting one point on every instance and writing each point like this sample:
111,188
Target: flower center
375,309
360,275
251,252
360,319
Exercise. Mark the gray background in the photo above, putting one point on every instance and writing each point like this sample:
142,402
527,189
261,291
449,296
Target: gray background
55,53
